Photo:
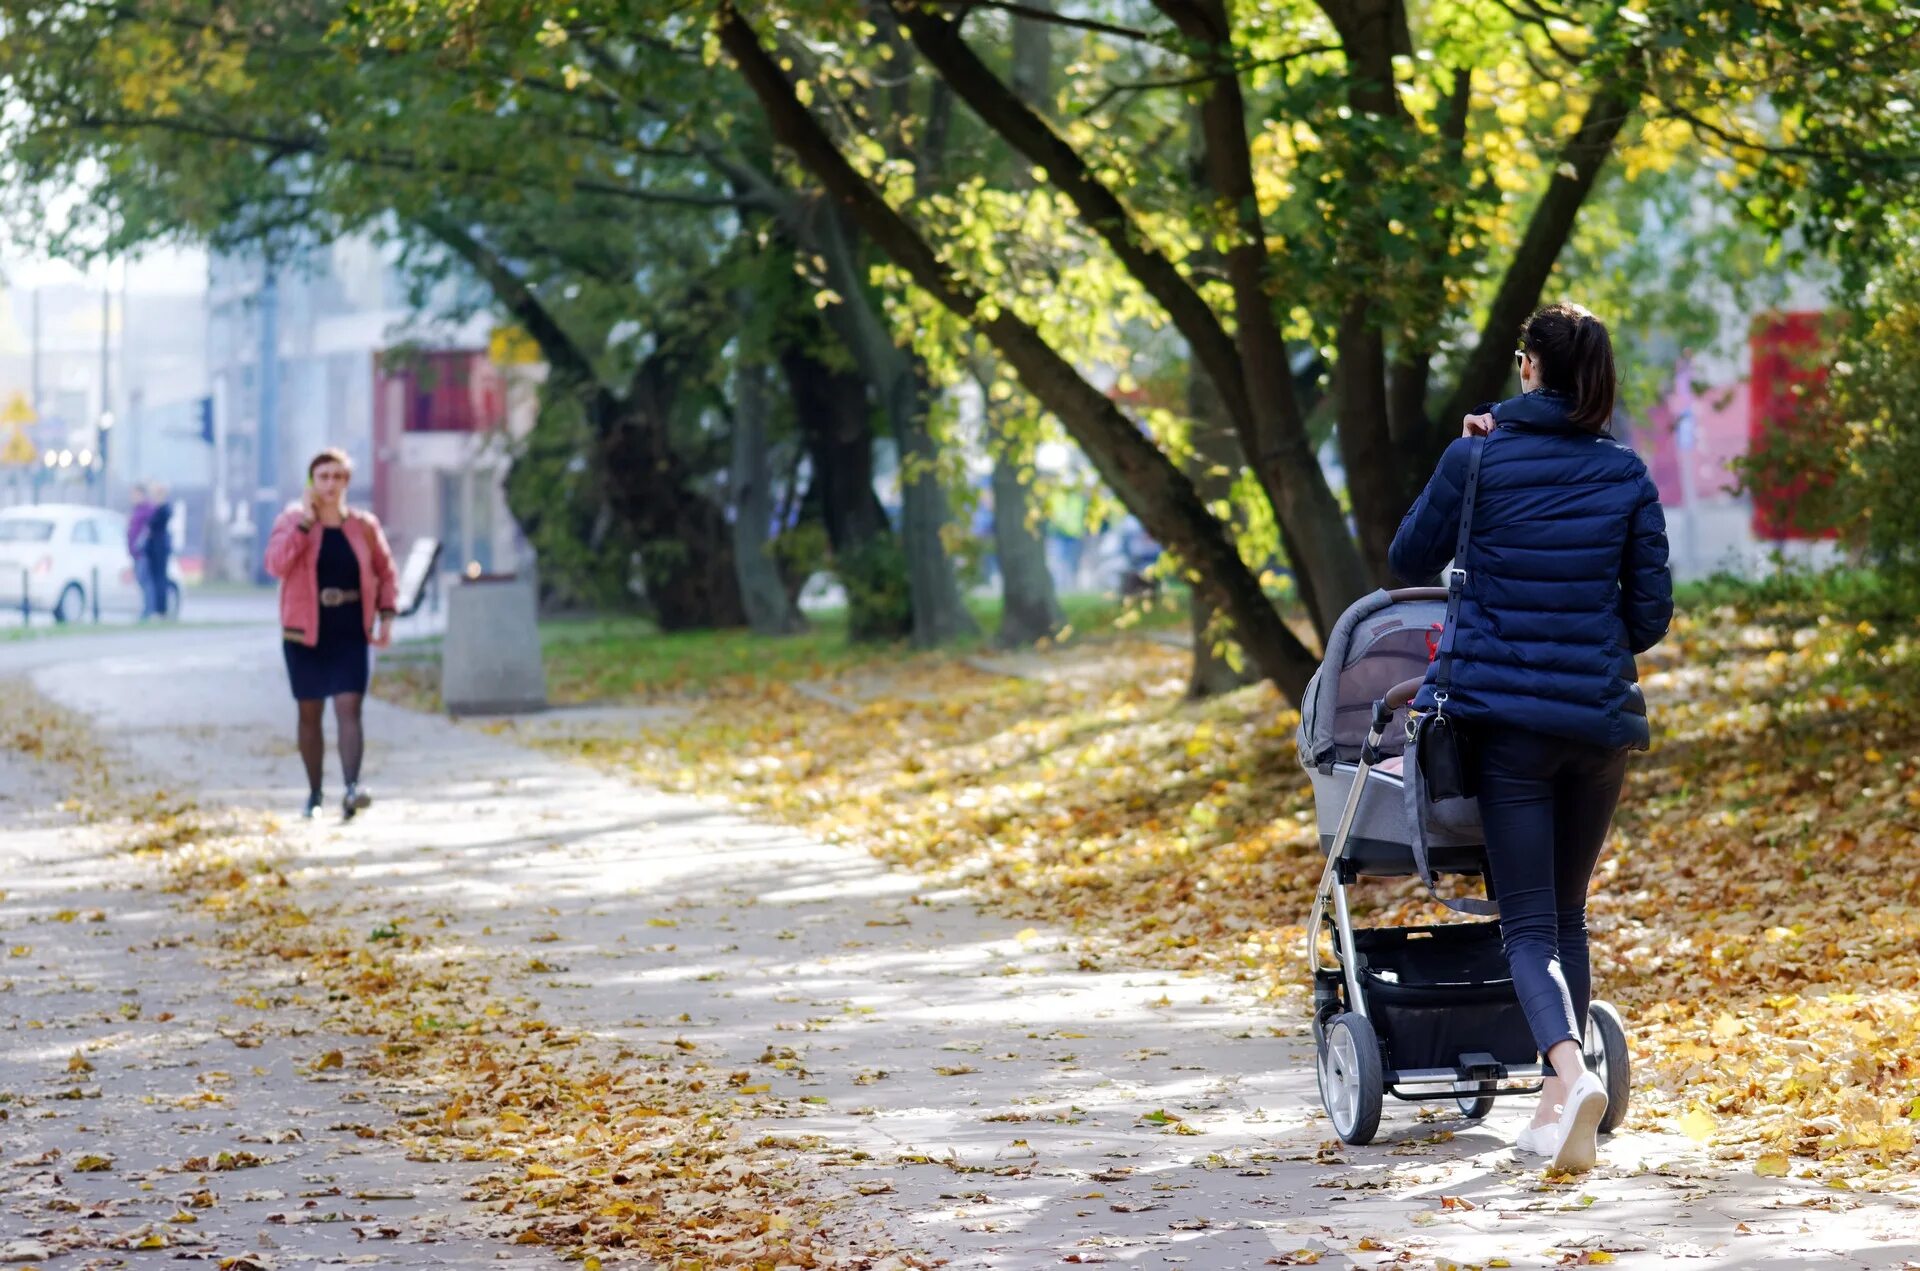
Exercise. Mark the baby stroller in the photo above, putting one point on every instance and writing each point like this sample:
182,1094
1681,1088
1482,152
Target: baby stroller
1415,1012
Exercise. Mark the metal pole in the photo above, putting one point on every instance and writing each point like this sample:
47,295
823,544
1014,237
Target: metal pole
104,419
96,595
26,609
36,355
267,470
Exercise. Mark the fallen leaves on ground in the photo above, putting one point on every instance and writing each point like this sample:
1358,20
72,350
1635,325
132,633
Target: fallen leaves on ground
1755,917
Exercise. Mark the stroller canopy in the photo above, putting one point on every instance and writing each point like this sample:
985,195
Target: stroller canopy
1378,642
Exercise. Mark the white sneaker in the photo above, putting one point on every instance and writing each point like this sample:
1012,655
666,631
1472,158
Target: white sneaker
1541,1140
1579,1127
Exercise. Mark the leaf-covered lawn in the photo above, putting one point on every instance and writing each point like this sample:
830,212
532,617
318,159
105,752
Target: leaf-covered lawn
1756,916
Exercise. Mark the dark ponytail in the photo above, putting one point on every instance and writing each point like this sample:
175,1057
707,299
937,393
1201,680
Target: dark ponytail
1574,357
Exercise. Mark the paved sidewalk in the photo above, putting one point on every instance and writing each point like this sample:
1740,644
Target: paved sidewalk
990,1094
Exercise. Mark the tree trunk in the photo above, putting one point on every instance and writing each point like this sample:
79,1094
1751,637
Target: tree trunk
686,545
770,610
897,377
939,614
1029,608
1250,367
835,419
1216,457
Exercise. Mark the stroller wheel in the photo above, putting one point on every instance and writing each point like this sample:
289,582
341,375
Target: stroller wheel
1349,1073
1473,1106
1606,1055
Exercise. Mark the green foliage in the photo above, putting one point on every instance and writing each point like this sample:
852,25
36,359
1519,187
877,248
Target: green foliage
879,605
1875,389
586,554
1849,460
799,553
1796,594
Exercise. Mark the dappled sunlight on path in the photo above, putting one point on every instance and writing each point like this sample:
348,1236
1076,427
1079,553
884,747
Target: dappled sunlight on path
998,1091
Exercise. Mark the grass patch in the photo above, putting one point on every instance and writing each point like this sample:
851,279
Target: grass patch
628,659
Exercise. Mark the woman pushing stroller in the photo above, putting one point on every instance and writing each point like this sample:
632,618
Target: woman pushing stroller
1565,581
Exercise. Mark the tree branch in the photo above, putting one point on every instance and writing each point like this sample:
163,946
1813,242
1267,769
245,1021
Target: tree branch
390,160
1412,372
1126,458
564,355
1038,14
1733,141
1543,21
1275,436
1190,81
1486,370
1001,109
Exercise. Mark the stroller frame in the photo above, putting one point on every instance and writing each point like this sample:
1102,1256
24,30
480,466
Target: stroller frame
1352,1058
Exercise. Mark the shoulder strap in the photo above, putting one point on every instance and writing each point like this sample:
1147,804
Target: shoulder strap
1457,574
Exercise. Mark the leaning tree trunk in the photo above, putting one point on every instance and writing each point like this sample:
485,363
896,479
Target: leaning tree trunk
770,610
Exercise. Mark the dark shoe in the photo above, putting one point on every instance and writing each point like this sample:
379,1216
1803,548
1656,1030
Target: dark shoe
355,800
313,806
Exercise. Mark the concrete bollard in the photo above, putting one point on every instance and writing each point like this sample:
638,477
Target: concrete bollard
490,656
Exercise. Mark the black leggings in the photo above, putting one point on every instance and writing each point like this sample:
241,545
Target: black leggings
1546,804
313,742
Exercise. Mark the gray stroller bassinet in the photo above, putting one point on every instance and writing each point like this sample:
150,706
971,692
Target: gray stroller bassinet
1416,1012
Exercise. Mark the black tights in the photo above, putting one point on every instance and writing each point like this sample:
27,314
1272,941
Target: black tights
313,741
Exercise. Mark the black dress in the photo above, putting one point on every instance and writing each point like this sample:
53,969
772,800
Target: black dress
337,663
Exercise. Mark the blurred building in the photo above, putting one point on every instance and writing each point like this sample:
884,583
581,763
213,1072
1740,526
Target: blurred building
102,383
328,350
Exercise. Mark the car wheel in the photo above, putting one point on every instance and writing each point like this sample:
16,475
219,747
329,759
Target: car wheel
72,604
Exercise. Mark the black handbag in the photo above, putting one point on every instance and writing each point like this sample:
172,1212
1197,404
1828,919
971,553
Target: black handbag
1443,752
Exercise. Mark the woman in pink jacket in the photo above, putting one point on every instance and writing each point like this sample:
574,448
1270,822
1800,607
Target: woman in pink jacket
337,596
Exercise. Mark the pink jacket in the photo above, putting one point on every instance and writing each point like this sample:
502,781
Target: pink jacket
293,556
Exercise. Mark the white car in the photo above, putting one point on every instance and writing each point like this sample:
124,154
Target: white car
57,553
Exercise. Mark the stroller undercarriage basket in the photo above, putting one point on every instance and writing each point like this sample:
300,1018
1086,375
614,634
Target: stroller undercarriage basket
1418,1012
1438,993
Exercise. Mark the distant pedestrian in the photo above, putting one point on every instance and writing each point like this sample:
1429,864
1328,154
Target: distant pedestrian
157,549
337,597
137,517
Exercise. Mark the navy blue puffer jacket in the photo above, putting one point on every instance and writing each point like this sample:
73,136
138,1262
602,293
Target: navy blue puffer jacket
1566,575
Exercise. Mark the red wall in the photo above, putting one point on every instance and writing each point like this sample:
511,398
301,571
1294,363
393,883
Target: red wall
450,390
1789,352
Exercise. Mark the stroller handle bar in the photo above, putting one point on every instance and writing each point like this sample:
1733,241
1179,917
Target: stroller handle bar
1402,595
1403,692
